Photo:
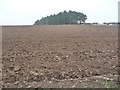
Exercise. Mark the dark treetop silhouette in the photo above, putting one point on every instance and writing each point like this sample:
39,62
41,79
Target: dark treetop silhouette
65,17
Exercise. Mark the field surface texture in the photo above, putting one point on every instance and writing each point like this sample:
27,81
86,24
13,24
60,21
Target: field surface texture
56,56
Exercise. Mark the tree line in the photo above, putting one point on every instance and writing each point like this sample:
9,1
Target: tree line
71,17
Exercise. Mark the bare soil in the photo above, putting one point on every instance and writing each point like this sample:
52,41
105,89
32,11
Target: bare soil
60,56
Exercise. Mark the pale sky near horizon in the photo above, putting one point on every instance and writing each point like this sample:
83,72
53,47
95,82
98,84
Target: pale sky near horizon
26,12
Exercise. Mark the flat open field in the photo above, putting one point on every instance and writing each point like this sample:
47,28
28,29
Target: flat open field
60,56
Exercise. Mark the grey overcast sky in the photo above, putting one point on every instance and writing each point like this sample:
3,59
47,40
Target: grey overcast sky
26,12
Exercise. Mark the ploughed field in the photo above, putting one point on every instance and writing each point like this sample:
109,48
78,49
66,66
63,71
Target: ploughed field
60,56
